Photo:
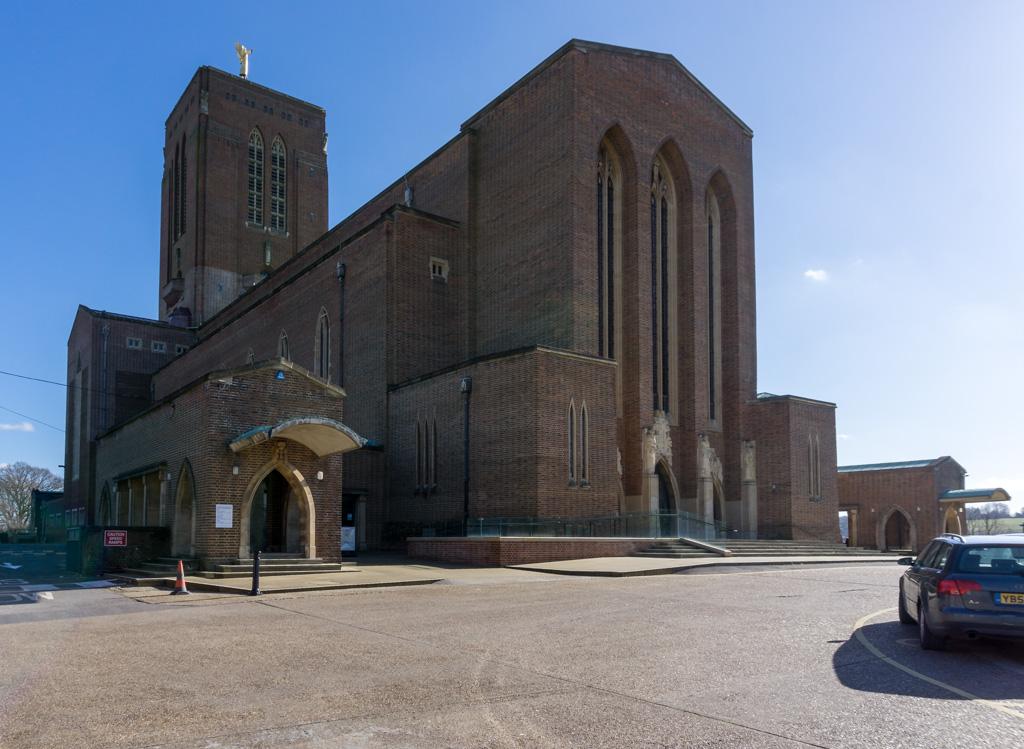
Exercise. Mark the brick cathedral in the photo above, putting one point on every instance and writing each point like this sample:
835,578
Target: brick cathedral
551,317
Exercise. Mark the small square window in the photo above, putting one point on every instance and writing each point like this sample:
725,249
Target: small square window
134,343
180,348
159,347
438,269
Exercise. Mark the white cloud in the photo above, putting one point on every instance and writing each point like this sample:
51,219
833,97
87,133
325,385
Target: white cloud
843,436
21,426
818,275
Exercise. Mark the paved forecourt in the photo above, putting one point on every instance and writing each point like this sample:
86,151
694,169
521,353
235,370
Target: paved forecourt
763,657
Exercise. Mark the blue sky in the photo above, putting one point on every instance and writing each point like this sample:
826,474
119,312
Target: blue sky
887,167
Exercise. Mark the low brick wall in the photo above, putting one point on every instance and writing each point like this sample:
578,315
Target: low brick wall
502,551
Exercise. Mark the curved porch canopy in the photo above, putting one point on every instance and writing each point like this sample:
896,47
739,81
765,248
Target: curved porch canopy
322,436
975,495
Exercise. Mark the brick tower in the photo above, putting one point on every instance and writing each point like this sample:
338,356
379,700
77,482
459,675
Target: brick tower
244,189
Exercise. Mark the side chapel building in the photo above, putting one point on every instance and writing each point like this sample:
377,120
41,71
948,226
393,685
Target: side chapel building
573,270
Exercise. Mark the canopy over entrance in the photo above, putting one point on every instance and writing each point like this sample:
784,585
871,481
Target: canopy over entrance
974,495
322,436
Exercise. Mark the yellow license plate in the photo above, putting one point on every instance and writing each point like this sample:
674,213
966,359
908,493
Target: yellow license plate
1012,599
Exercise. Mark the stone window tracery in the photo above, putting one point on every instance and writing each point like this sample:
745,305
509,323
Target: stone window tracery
278,186
255,203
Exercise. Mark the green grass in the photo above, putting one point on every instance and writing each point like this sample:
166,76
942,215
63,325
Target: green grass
1000,525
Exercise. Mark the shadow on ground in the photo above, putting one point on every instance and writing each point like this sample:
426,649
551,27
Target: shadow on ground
990,669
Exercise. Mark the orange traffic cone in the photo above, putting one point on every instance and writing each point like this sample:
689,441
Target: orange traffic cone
180,589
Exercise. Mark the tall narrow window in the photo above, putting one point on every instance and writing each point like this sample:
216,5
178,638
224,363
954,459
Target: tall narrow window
584,445
714,240
419,455
664,288
184,189
322,345
608,251
176,177
255,213
278,186
433,452
571,429
813,465
282,346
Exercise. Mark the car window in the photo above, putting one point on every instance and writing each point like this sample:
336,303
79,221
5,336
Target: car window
925,556
941,555
993,559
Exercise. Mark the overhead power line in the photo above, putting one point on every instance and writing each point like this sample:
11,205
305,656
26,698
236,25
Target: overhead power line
31,418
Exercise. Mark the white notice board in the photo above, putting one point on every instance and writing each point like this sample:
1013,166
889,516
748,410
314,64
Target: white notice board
224,516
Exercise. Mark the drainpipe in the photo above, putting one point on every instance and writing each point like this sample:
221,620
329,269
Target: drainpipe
466,386
341,324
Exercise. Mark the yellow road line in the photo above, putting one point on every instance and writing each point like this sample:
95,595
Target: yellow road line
857,631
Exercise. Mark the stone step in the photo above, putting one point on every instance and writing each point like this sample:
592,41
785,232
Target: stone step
216,575
266,567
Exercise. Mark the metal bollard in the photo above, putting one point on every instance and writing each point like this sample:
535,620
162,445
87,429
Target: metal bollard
256,574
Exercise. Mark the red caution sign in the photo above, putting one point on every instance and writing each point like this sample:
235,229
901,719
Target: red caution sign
115,538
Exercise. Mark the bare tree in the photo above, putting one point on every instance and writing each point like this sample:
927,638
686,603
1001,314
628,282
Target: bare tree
16,484
984,520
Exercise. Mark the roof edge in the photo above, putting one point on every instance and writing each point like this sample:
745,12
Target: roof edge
585,46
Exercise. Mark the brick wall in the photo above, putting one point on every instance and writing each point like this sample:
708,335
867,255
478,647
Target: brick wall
505,551
203,420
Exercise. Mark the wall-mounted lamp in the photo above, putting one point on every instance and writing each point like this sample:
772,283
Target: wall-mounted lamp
234,470
319,475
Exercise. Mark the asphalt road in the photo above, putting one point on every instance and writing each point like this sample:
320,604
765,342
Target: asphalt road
755,658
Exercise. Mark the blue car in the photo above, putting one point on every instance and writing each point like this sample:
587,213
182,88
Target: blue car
965,586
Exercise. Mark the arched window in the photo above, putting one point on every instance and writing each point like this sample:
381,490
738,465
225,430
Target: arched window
664,288
282,346
584,445
713,217
609,251
322,346
255,214
278,185
571,436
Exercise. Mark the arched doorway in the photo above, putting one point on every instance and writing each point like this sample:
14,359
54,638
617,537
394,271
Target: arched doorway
897,533
666,502
277,516
951,523
184,514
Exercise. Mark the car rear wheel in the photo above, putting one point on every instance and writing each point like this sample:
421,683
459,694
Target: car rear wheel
905,617
929,640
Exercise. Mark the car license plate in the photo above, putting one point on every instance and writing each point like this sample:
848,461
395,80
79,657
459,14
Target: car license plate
1010,599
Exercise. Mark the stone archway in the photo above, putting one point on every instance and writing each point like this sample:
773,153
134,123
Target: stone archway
300,511
951,521
896,530
668,500
184,529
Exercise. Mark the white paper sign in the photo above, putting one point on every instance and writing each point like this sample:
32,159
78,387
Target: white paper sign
348,538
225,516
